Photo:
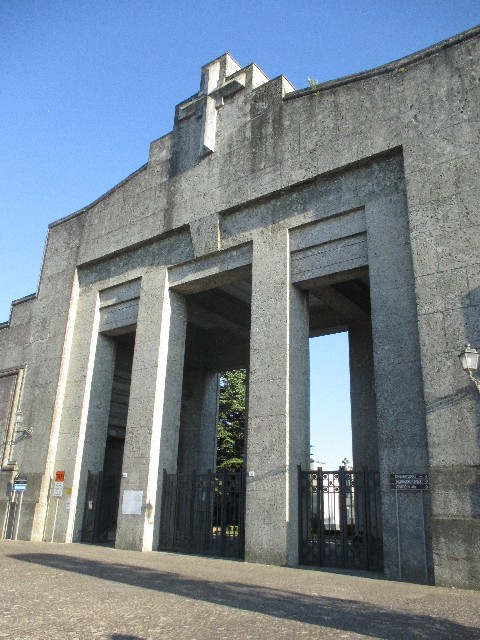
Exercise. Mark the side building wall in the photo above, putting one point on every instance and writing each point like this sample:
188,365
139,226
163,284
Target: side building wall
32,345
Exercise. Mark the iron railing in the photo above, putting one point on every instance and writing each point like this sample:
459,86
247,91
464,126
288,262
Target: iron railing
340,519
203,513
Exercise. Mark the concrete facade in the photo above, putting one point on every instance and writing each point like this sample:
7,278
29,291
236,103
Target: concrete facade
268,216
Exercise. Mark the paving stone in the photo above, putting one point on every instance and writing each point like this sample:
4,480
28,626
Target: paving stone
82,591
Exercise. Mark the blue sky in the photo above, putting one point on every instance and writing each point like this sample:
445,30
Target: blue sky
85,86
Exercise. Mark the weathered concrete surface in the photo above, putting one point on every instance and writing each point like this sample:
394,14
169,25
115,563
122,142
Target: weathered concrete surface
82,592
274,199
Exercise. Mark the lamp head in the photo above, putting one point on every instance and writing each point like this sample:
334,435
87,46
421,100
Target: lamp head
469,358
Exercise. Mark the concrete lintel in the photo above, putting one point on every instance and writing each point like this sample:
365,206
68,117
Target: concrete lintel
206,318
331,278
120,293
338,302
212,271
333,257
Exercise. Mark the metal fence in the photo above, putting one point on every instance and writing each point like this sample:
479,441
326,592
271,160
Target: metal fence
101,507
340,519
203,513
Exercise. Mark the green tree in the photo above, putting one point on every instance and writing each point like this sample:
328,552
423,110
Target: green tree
231,420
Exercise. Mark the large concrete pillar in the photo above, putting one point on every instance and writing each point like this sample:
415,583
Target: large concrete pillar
151,442
83,417
402,438
96,428
362,396
278,415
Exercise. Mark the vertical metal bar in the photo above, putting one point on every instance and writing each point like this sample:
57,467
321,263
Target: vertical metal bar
241,508
54,520
343,514
367,506
9,507
300,514
229,506
424,536
378,528
210,497
373,521
162,514
320,526
19,514
98,505
334,507
330,513
217,503
223,519
353,553
5,523
14,519
175,491
191,518
229,511
351,556
47,510
321,517
85,510
205,498
398,538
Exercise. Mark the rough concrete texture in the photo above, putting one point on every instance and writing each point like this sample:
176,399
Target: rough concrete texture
83,592
269,215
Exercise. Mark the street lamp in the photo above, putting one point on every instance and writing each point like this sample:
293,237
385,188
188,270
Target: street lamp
469,359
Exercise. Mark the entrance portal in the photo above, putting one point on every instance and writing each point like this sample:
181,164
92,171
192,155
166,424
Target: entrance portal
203,500
103,487
330,413
340,511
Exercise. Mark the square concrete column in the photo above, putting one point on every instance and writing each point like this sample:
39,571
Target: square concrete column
82,413
402,437
153,423
95,435
278,416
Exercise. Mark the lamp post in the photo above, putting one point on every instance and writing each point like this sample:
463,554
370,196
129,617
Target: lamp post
469,359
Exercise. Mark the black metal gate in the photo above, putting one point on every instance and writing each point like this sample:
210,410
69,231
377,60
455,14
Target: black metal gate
203,513
340,519
92,508
101,508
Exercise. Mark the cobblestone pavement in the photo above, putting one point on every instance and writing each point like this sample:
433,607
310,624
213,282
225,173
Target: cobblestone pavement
54,591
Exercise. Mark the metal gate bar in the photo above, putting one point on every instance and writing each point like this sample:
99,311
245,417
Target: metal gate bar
91,512
339,518
203,513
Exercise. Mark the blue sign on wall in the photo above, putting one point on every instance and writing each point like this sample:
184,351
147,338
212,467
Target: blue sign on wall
20,484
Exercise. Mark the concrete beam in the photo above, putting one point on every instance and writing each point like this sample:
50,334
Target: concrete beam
340,303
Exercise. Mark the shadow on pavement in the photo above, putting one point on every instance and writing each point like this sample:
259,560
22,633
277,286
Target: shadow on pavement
343,615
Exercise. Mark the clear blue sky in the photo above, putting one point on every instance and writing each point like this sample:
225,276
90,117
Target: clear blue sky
85,86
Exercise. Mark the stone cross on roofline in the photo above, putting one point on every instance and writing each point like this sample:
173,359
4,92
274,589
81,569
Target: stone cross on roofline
220,79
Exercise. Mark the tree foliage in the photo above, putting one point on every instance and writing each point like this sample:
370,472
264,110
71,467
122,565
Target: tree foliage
231,420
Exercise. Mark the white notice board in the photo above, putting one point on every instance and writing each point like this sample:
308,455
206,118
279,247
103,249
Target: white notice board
57,489
132,503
